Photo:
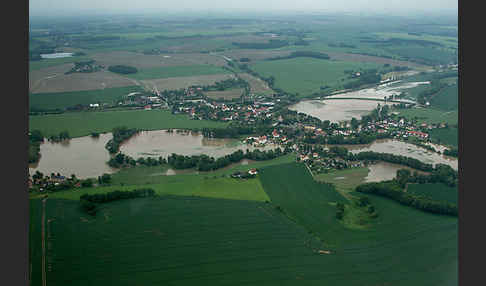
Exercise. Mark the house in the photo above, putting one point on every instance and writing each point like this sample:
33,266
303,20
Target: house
275,134
418,134
94,105
315,155
147,107
253,172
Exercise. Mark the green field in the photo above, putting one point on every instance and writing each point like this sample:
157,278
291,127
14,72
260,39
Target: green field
307,75
447,136
384,253
68,99
157,174
35,242
45,63
438,191
83,123
446,99
429,115
177,71
344,180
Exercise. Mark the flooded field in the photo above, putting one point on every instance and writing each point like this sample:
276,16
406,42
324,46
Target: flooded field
56,55
162,143
336,110
383,171
405,149
85,157
344,106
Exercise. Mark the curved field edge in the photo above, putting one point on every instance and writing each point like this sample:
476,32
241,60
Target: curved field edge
389,248
80,124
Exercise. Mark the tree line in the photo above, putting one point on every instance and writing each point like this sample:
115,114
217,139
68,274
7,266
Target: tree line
121,69
272,44
120,134
307,54
89,203
392,190
206,163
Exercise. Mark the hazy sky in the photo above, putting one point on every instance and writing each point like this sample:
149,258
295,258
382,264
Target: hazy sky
51,7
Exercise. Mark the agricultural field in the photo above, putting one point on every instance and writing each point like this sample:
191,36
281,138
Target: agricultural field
430,115
142,61
83,123
45,63
446,99
306,75
257,86
172,83
59,82
177,71
372,59
438,191
229,240
254,55
381,252
344,180
448,136
35,242
60,100
228,94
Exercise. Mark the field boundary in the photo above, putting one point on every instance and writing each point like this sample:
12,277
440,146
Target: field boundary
43,242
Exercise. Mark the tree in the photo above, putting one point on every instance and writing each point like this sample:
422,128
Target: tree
354,123
106,178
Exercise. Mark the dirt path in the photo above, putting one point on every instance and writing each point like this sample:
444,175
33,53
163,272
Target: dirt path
43,242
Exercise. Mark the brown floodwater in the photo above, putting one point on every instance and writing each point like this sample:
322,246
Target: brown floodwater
85,157
342,106
162,143
405,149
336,110
383,171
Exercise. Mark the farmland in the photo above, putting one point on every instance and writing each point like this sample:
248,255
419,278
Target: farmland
306,75
430,115
257,86
172,83
229,94
177,71
447,136
83,123
281,227
446,99
396,238
60,82
344,180
63,100
438,191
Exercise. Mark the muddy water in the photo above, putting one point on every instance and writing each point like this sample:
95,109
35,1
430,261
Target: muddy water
405,149
383,171
342,106
85,157
162,143
336,110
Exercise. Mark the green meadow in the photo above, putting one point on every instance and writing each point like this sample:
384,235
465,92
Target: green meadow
306,75
177,71
61,100
83,123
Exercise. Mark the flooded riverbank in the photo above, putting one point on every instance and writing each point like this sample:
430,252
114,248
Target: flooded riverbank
162,143
397,147
344,106
384,171
84,156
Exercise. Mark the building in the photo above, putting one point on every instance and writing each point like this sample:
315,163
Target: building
418,134
253,172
